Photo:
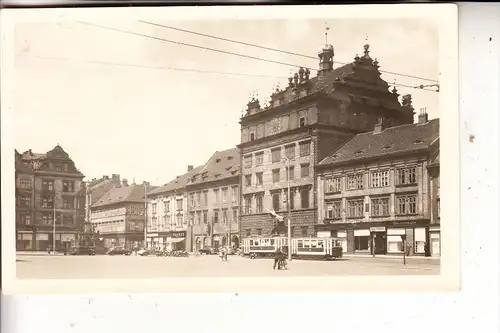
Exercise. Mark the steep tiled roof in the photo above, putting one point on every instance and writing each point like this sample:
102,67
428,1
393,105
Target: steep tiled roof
131,193
175,184
19,165
222,165
404,138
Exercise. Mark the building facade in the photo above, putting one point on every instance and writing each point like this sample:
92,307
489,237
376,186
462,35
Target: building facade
168,215
119,215
378,187
435,226
96,188
303,123
213,201
49,190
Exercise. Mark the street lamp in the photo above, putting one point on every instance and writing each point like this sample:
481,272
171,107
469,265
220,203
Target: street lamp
54,226
145,215
288,204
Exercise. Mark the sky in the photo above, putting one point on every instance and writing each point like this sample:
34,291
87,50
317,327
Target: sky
149,124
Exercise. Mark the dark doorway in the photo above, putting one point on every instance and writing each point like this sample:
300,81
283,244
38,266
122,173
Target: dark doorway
380,241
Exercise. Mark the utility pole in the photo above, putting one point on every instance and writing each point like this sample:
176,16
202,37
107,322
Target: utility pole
54,227
289,210
145,214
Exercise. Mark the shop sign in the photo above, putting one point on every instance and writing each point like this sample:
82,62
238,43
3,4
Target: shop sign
434,236
377,229
152,235
178,234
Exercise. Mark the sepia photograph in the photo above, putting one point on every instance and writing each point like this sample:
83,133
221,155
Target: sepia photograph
247,143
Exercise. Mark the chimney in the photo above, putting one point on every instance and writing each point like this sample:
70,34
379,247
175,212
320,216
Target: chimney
379,126
124,182
190,167
423,117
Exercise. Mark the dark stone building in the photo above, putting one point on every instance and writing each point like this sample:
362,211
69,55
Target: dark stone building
49,190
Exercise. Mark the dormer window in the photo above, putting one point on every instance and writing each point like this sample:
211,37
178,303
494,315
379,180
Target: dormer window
386,147
252,136
217,160
359,152
302,122
418,141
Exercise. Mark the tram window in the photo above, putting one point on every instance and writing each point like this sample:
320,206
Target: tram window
313,244
256,242
320,243
300,244
251,242
272,241
307,244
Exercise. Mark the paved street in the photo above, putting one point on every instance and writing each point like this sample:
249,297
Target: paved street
88,267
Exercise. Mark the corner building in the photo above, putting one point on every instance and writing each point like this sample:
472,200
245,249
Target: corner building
381,185
49,190
303,123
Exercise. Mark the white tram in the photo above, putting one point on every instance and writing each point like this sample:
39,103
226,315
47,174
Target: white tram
261,246
319,248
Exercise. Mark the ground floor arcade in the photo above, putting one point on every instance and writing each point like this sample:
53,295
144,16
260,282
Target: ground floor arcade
167,241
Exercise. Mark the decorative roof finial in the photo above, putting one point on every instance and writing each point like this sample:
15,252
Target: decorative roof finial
367,49
327,28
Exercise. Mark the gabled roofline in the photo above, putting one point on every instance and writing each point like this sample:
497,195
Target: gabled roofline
371,158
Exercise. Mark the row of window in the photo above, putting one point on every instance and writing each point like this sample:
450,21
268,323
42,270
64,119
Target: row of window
200,198
259,176
377,179
48,202
279,202
276,154
301,123
304,232
166,220
47,185
405,205
218,216
166,206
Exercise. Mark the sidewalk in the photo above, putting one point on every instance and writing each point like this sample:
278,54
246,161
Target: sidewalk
393,258
38,253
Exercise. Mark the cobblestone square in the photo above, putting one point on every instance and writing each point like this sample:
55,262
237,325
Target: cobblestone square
127,267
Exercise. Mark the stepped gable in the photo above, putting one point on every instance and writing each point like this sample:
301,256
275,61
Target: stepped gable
222,165
397,139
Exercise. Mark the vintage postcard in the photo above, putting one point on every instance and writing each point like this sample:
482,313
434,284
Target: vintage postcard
244,148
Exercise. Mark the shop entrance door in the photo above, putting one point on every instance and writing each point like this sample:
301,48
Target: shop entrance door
380,243
435,247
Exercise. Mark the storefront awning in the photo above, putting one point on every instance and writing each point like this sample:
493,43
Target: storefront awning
177,240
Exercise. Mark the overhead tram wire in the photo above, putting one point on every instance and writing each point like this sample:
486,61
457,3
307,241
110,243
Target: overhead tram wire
163,68
272,49
225,52
194,45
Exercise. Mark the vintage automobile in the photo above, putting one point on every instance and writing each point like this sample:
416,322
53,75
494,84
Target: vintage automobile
119,250
82,250
208,250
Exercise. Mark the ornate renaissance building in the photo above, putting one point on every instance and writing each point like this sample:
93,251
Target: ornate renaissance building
303,124
49,190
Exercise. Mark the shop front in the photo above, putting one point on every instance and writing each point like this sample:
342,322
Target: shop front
25,241
176,240
378,240
435,241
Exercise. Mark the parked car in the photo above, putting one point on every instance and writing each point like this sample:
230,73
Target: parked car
119,250
143,253
208,250
79,250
